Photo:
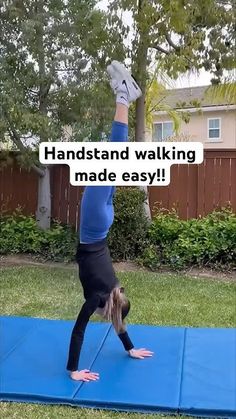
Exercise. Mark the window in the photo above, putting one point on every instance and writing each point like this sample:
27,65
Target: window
162,130
214,128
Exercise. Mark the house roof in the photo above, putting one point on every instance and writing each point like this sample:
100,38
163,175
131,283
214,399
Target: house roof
191,97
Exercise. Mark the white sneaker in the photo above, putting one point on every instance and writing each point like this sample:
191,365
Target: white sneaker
123,82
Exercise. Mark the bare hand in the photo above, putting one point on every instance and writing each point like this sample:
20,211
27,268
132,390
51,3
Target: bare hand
84,375
140,353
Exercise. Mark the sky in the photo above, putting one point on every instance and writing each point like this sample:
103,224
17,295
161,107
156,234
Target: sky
203,78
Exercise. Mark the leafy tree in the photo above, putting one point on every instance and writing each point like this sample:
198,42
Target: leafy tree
225,92
49,50
181,34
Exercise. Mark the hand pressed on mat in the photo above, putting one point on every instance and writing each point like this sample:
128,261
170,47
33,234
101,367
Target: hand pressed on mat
140,353
84,375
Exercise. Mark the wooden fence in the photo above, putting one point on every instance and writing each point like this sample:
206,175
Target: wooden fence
195,190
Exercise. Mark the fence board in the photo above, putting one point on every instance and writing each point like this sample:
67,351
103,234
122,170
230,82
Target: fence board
209,186
233,183
217,183
72,198
201,189
173,192
183,182
63,197
159,199
18,188
192,192
226,181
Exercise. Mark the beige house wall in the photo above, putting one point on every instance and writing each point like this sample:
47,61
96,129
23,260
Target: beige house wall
197,128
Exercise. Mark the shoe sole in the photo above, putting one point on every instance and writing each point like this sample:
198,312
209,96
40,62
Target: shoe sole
119,68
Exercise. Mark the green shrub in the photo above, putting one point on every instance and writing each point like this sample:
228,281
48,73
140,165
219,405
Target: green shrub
127,238
178,244
165,228
151,257
208,241
128,235
59,243
20,234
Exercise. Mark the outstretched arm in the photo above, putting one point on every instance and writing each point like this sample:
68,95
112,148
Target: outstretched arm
129,347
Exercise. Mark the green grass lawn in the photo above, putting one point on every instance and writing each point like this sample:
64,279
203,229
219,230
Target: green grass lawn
157,299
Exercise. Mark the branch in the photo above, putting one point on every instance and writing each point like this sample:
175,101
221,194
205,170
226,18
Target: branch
37,169
171,43
156,105
158,48
176,47
33,91
66,69
152,79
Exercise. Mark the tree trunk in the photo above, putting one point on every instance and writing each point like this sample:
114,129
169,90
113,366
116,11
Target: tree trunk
146,204
140,136
141,78
141,68
140,118
43,214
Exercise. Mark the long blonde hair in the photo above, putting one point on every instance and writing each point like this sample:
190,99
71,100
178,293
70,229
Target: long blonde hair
114,307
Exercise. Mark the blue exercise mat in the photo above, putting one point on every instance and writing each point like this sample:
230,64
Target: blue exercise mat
192,372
